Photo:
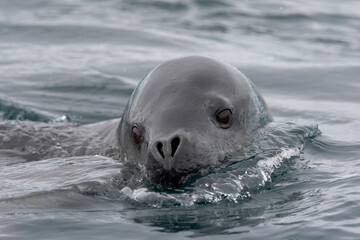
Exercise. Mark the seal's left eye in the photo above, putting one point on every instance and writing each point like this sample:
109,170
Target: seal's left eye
224,117
136,134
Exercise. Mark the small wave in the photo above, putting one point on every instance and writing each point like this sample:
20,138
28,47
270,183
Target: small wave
37,177
334,146
12,111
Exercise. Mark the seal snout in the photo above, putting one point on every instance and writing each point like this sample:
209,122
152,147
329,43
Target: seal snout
165,151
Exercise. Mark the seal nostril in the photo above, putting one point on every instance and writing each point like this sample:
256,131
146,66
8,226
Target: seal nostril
174,145
159,147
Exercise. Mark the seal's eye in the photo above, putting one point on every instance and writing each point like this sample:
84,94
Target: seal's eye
136,134
224,117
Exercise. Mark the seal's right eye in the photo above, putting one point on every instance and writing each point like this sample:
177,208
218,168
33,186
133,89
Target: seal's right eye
136,135
224,118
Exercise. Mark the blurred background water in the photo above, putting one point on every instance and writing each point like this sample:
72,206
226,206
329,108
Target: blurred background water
78,61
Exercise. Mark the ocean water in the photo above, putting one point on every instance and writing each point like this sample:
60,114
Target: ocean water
67,64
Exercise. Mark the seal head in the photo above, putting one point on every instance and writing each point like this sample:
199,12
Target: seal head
187,115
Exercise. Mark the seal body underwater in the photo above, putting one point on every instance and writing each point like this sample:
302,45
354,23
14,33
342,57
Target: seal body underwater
187,115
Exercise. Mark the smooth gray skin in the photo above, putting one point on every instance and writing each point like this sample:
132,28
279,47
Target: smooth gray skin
179,100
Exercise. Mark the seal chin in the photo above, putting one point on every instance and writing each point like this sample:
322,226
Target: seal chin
166,178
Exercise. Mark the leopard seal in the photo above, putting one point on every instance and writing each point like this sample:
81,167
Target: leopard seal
187,115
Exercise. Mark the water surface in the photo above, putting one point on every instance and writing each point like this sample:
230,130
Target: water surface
77,62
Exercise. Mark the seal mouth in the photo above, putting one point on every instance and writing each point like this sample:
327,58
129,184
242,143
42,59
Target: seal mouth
167,179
